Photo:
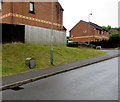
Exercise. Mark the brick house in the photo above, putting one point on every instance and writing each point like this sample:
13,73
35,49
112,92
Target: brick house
88,32
113,30
33,14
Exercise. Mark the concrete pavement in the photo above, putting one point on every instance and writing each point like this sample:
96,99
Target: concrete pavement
24,78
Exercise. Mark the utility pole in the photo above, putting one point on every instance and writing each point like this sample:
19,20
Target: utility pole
89,28
52,27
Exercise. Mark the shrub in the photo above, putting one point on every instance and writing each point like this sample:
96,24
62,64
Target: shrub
114,40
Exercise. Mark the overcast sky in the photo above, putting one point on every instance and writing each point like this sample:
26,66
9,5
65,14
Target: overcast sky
105,12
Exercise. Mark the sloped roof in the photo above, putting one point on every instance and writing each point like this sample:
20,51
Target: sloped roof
97,26
93,25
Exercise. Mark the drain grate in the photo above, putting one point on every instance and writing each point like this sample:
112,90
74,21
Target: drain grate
17,88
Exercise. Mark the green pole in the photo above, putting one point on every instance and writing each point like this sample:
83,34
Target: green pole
51,56
51,49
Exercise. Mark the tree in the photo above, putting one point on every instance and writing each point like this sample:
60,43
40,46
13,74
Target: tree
114,40
108,27
117,28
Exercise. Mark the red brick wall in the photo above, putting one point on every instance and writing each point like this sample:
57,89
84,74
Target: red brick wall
41,18
81,29
114,30
6,8
82,32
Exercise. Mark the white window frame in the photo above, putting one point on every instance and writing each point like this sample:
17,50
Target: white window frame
84,31
31,7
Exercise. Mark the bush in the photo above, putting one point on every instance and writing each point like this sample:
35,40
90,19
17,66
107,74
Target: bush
114,40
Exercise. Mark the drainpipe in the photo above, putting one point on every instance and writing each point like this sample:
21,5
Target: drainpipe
12,12
11,21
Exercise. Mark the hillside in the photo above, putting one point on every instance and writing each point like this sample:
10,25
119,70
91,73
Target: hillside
14,55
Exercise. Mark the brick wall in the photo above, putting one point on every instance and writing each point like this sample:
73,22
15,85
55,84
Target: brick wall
83,32
18,13
114,30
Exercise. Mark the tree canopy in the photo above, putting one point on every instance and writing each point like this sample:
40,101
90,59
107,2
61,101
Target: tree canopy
114,39
107,27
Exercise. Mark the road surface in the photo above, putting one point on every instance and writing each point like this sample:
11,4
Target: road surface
95,82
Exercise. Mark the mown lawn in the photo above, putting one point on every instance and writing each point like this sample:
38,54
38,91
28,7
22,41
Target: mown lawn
14,55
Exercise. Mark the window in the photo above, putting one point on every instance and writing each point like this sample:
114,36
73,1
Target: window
84,31
31,7
102,32
98,31
72,36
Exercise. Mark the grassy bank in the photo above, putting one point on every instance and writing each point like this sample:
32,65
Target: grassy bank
14,55
0,59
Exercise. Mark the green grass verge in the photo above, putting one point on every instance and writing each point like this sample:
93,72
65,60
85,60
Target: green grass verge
14,55
0,59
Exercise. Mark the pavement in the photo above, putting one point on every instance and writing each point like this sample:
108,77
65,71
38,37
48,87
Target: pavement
94,82
13,81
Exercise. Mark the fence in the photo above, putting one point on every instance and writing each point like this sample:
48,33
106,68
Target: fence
38,35
13,33
32,35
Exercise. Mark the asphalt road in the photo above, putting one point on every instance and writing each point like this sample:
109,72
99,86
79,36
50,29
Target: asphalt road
95,82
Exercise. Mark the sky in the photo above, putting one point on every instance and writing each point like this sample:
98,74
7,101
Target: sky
104,12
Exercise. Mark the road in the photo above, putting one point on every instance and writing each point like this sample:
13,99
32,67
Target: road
95,82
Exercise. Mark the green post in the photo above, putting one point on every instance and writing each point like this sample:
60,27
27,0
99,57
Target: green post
51,49
51,56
